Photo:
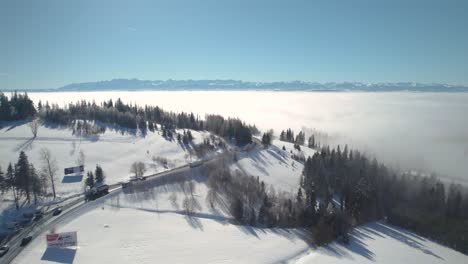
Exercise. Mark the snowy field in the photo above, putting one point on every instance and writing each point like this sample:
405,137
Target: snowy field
410,130
149,227
114,151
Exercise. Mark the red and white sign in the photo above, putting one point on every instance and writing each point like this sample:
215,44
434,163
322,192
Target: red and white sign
67,239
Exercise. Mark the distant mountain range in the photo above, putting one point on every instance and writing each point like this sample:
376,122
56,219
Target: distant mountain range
138,85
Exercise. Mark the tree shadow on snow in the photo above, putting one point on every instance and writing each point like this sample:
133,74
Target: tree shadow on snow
194,222
368,232
60,255
13,124
27,145
408,238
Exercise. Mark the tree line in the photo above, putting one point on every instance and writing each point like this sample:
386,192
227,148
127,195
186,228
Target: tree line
143,118
130,116
17,107
299,139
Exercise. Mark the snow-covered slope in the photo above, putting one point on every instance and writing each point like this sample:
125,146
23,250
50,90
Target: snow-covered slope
274,165
149,227
378,242
114,150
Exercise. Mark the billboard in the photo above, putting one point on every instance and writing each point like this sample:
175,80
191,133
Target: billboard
76,169
67,239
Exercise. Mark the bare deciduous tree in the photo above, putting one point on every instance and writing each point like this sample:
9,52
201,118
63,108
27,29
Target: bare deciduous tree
211,197
189,205
173,199
191,187
81,158
34,126
138,168
49,167
158,161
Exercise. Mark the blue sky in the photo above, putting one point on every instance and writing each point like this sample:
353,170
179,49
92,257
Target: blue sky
47,44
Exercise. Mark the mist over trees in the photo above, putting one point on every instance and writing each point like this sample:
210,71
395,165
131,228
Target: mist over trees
362,190
298,140
341,188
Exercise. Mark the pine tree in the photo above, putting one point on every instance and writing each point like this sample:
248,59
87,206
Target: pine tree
189,136
90,179
36,184
99,173
266,140
12,183
299,196
2,181
312,141
253,219
283,136
237,209
23,175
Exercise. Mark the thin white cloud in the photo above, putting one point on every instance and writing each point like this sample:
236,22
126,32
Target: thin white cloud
131,29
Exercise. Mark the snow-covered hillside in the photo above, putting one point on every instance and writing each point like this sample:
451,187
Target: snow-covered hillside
149,226
378,242
114,150
364,121
274,165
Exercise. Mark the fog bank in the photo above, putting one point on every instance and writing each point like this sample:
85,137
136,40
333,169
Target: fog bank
411,130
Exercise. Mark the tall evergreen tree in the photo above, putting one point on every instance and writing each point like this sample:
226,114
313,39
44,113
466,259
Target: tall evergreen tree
12,184
23,175
99,173
90,179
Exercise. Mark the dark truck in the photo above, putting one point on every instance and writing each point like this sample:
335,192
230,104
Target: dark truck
97,192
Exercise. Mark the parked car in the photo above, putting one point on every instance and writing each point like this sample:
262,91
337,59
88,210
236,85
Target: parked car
25,241
57,211
3,250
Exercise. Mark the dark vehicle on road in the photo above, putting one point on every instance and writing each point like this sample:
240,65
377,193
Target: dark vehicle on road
3,250
25,241
57,211
97,192
38,217
125,184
